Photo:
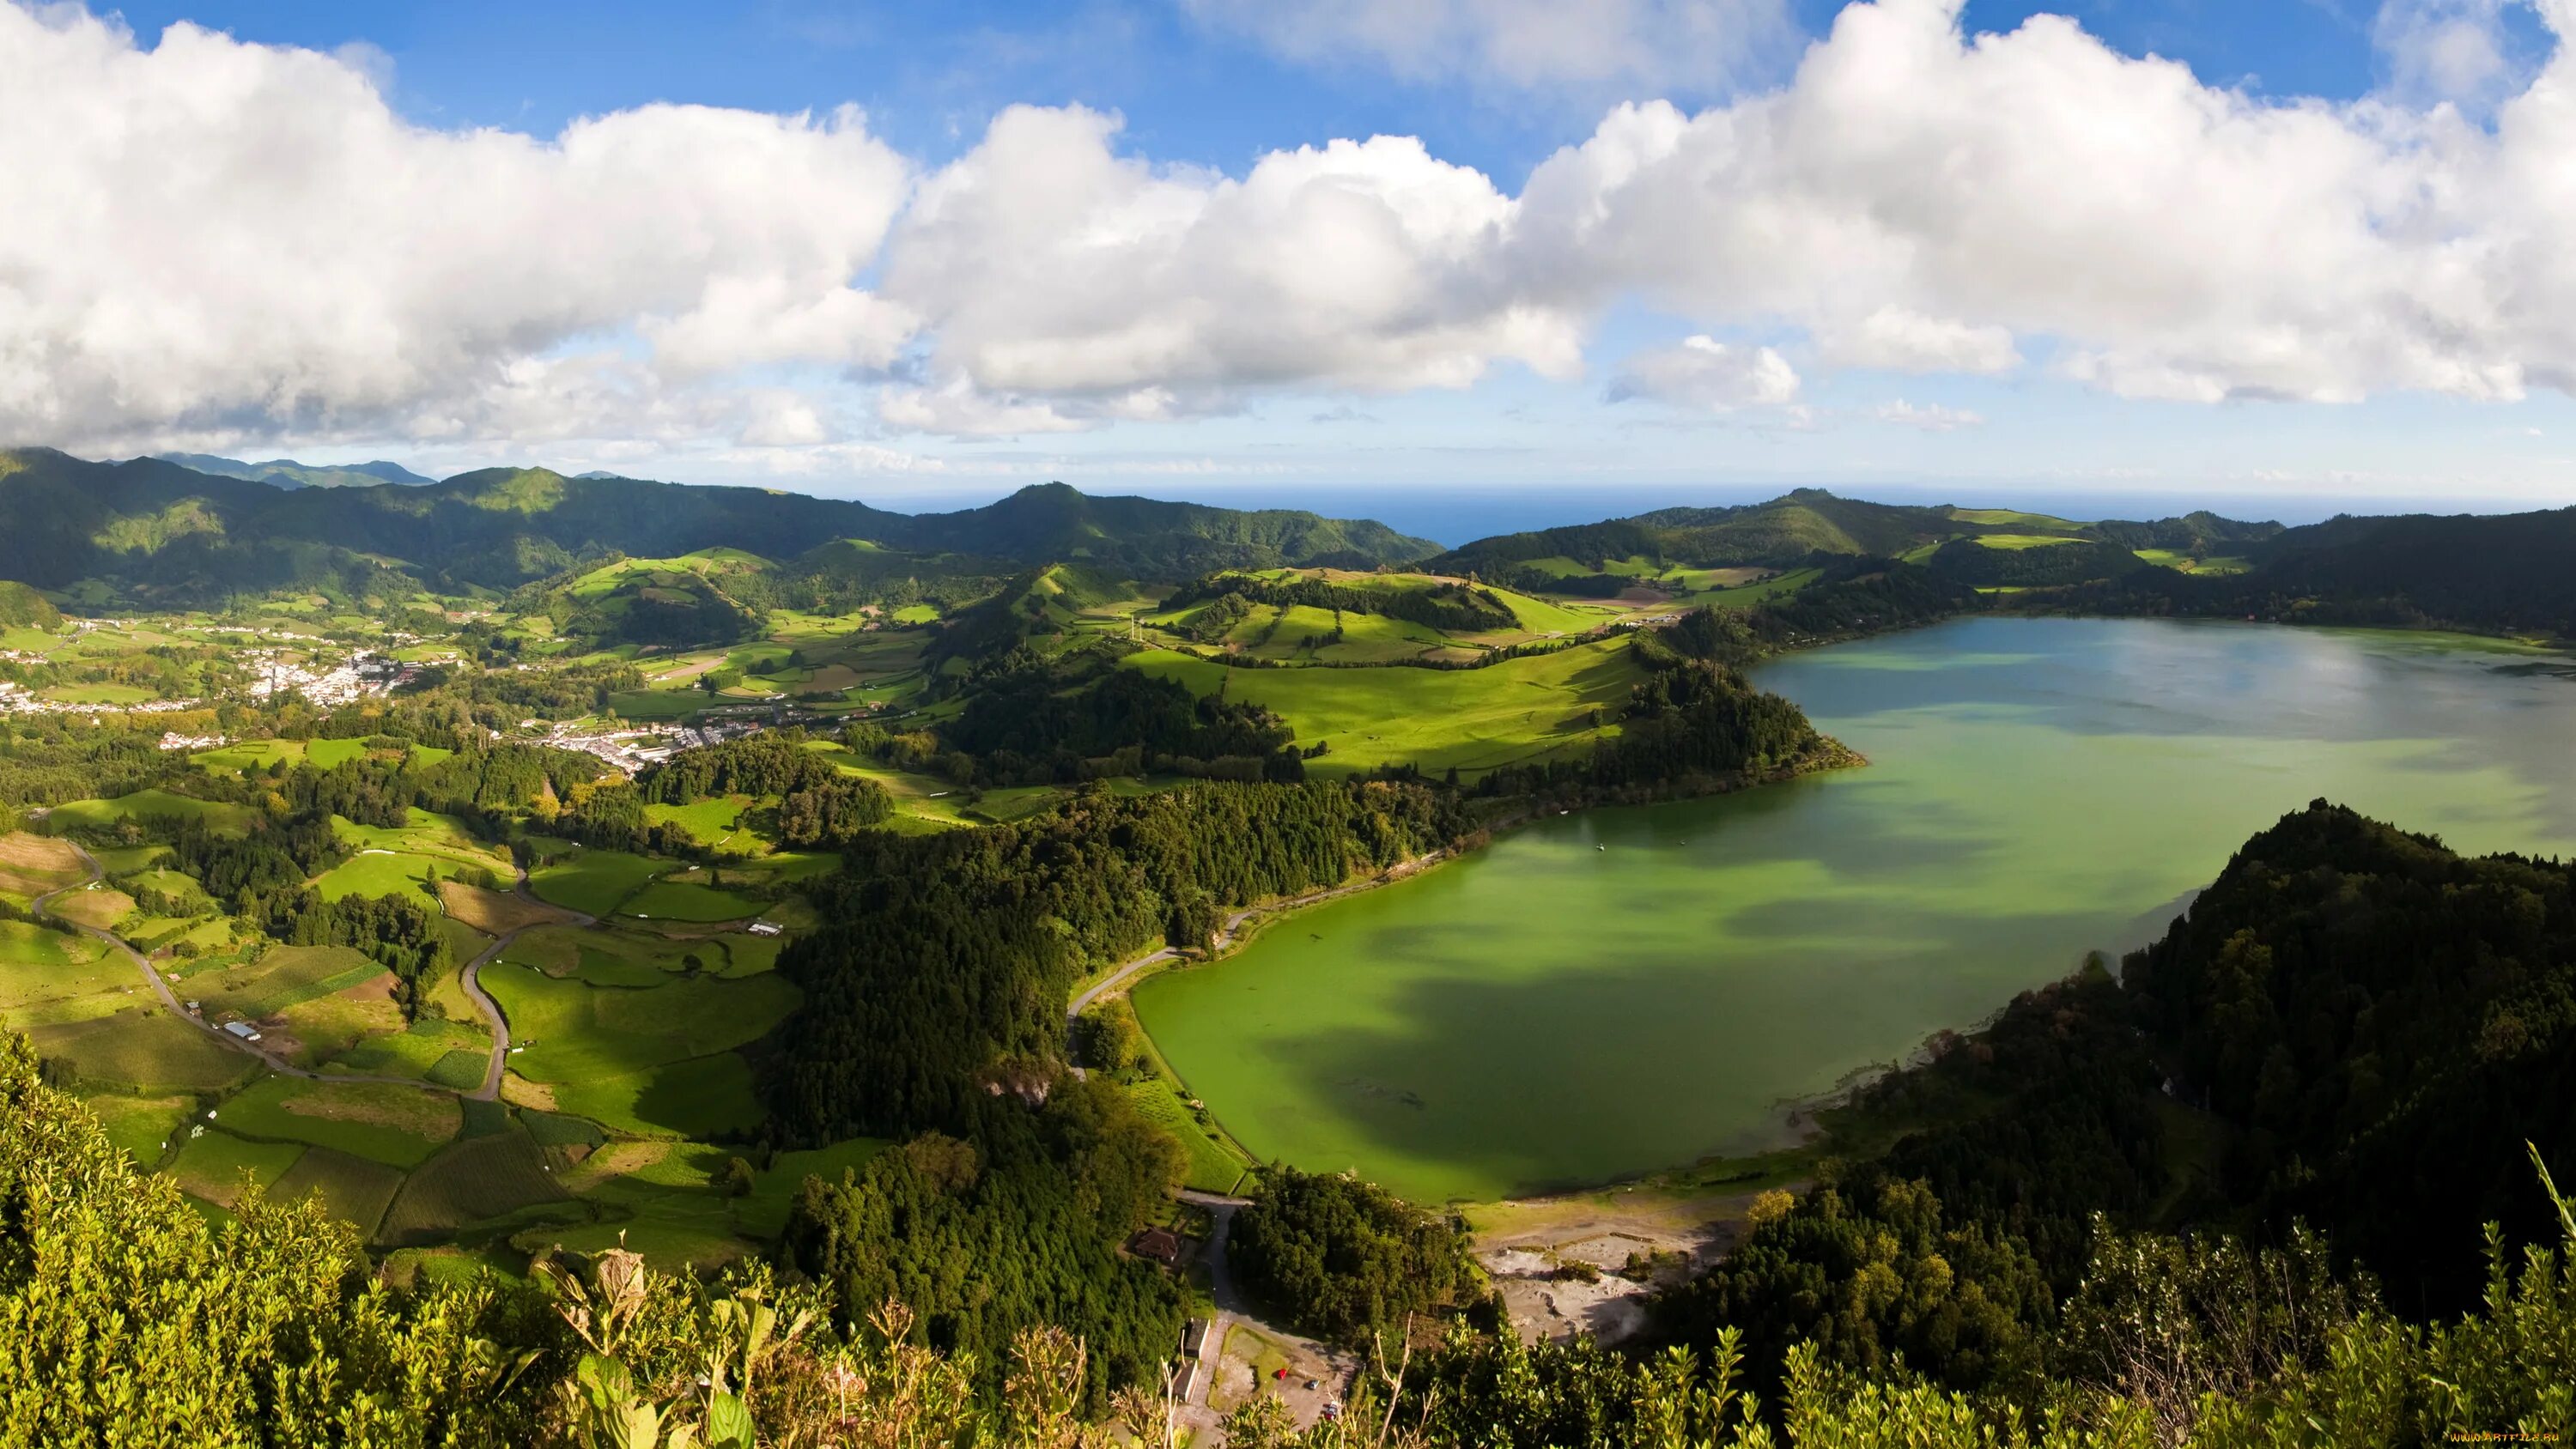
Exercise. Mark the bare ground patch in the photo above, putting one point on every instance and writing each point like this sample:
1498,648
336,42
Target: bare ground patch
497,913
1585,1263
34,864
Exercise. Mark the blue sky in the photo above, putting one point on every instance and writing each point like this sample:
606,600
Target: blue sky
1692,348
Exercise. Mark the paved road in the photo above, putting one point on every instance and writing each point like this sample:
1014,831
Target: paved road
471,978
491,1087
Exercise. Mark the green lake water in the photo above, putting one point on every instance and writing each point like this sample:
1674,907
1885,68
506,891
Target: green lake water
1549,1012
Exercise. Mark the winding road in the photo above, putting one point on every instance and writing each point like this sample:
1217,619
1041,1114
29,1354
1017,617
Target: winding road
1225,936
469,978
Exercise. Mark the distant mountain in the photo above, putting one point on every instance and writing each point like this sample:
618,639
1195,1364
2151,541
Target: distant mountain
155,526
1147,538
2513,572
287,473
1784,531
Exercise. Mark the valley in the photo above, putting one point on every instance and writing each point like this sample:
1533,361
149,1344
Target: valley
1042,875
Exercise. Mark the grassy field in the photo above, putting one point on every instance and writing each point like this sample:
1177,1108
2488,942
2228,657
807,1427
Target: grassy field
493,913
283,976
576,1032
1473,719
141,1125
353,1188
763,1213
709,822
1213,1166
593,881
155,804
689,898
624,956
376,873
143,1047
2015,542
54,978
215,1164
2176,559
33,864
397,1126
417,1051
99,908
323,754
701,1097
474,1180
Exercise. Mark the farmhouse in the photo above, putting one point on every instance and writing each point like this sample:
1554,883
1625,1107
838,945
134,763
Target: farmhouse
1156,1245
763,928
242,1029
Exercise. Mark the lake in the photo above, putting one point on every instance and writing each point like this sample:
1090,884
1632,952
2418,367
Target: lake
1615,991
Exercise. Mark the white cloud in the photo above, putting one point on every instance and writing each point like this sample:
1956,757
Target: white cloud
1900,340
207,235
1930,418
207,239
1595,48
2169,238
1050,264
2449,50
1702,372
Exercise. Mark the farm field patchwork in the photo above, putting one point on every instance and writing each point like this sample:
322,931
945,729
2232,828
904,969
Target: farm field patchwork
394,1125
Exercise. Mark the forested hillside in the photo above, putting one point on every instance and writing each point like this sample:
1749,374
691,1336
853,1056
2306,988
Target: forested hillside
188,534
2504,573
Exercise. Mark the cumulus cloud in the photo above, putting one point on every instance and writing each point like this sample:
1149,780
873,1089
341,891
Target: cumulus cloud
1918,196
1054,265
206,237
1702,372
210,235
1588,47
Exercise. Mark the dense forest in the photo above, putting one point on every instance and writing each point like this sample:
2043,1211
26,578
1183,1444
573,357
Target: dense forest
1345,1260
942,973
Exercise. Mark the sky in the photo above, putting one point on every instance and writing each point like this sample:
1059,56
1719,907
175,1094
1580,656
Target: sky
1435,256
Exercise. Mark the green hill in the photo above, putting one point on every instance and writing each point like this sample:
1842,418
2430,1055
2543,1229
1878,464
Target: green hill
2506,572
287,473
23,608
152,525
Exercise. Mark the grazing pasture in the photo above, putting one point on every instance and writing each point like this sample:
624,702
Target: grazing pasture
577,1032
215,1165
34,864
593,881
700,1097
493,913
1473,719
474,1180
146,806
282,977
144,1047
142,1125
377,873
689,898
395,1125
352,1188
418,1050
